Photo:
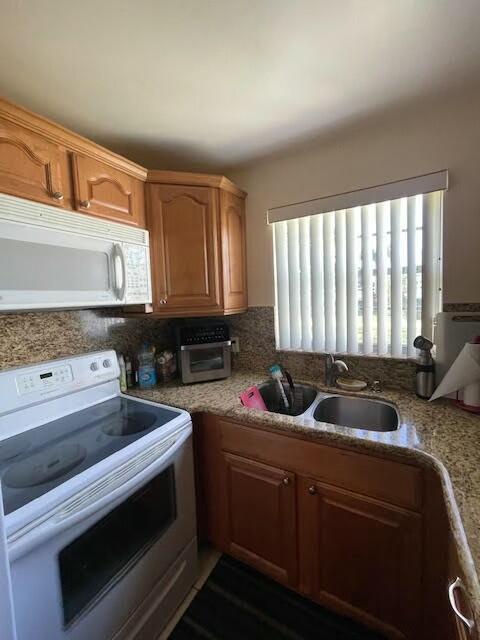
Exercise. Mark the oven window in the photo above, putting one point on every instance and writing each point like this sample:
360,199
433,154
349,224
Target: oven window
92,563
206,359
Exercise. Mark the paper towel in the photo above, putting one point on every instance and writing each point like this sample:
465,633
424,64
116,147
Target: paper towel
464,371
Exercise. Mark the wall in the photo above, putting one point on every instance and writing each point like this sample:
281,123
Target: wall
407,142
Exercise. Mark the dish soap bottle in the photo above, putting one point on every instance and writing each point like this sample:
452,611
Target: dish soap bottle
146,367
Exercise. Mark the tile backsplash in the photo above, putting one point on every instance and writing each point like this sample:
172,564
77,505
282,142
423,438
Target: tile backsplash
26,338
256,332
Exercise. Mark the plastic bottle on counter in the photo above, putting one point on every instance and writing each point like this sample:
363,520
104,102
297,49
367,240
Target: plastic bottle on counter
166,365
123,373
147,376
129,373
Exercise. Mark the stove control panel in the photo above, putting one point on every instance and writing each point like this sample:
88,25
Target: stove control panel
46,379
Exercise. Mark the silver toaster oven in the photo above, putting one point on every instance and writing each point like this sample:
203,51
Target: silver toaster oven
204,351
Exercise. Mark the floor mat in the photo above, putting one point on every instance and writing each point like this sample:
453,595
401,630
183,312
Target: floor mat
238,603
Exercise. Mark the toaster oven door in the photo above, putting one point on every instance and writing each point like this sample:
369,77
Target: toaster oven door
201,362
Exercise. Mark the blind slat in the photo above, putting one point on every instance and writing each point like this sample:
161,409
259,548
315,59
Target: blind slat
316,271
294,284
341,281
281,286
396,277
352,232
367,280
382,211
431,222
411,274
305,284
329,280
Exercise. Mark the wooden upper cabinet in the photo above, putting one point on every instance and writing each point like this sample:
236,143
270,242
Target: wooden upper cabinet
107,192
197,244
362,557
32,167
184,234
234,261
261,516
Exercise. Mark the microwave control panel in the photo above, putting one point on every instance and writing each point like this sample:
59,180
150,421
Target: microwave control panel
137,273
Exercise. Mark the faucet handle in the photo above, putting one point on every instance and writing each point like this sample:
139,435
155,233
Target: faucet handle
376,386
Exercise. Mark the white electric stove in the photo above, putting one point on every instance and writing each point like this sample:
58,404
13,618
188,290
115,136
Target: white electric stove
98,495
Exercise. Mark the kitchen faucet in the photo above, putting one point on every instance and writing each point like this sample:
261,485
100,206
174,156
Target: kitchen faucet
333,368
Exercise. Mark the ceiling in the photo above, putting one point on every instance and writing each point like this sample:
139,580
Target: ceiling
201,84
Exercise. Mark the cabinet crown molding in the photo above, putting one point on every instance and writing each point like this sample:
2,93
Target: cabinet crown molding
72,141
194,179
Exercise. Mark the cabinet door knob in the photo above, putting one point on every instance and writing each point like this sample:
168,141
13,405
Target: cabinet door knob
57,195
312,490
163,301
458,584
286,481
85,204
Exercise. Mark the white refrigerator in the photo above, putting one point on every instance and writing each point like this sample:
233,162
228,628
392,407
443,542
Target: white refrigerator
7,624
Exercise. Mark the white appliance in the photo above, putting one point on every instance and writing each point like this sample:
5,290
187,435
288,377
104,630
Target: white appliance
60,259
7,625
98,493
452,331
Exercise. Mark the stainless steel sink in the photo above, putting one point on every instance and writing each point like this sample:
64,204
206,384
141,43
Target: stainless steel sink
357,413
303,398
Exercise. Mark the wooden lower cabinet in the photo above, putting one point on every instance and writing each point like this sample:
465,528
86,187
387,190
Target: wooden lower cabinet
361,556
283,506
261,517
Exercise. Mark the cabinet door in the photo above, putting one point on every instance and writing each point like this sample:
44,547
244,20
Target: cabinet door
106,192
361,557
261,517
232,212
183,224
31,167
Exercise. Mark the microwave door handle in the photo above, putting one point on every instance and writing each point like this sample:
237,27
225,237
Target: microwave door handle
118,257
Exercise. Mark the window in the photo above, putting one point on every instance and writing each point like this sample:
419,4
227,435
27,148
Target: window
362,279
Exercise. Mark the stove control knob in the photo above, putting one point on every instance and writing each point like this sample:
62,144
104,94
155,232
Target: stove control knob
94,366
107,363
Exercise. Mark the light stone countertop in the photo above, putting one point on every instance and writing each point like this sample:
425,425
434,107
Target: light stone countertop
438,435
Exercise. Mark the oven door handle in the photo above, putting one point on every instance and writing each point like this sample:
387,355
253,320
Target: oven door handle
205,345
109,490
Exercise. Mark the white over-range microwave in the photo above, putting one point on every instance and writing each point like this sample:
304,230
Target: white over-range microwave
52,259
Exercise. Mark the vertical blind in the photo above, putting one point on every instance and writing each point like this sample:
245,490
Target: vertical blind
361,280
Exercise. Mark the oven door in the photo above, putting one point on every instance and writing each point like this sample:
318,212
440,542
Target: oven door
200,362
90,568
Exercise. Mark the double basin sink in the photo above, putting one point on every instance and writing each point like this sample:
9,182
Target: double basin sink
347,411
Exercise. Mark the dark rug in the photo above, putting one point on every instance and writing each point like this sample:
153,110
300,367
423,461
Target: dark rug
238,603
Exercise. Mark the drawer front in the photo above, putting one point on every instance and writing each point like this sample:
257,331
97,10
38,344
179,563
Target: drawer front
393,482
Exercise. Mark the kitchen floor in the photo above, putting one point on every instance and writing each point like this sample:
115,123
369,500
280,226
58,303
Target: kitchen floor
207,559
